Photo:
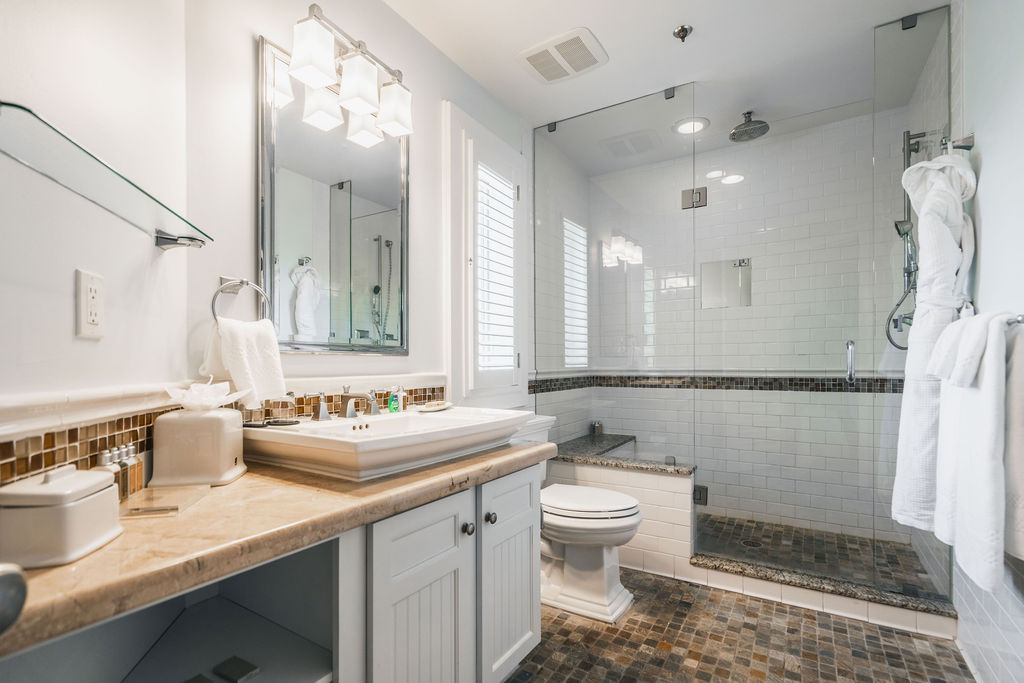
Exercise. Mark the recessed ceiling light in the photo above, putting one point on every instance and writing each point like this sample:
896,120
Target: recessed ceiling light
690,125
711,175
732,179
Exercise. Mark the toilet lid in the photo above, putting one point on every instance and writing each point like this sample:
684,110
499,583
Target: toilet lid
586,501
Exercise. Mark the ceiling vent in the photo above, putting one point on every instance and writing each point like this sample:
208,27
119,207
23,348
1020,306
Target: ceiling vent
564,56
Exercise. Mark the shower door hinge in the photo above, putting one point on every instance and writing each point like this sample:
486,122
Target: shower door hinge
695,198
517,193
517,359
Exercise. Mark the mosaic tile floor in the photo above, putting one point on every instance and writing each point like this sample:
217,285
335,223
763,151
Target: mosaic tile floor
677,631
888,566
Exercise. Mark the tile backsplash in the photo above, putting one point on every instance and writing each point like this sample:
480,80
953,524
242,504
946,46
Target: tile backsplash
79,445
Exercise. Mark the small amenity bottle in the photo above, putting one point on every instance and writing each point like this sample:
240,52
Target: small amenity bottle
105,462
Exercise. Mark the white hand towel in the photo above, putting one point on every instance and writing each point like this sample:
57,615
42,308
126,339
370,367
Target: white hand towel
943,357
959,350
973,521
307,297
249,354
1013,459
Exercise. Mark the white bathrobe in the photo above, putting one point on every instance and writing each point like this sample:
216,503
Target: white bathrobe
937,190
307,297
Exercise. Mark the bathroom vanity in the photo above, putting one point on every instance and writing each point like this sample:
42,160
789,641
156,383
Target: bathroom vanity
428,574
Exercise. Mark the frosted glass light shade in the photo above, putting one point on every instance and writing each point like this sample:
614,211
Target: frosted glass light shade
395,116
362,130
320,109
358,91
313,54
283,94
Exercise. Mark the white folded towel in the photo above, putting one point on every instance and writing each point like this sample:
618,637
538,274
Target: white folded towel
970,509
1013,460
246,353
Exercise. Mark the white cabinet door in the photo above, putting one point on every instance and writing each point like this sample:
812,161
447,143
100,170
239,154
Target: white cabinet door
422,593
509,590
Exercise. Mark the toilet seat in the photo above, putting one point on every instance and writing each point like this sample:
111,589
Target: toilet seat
586,502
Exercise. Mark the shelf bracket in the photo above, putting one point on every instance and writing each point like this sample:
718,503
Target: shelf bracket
165,241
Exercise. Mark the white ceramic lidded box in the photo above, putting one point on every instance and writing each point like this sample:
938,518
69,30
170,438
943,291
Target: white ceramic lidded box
57,517
197,447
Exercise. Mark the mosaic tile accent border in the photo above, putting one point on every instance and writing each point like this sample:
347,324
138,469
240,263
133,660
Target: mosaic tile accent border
78,446
863,385
299,406
81,444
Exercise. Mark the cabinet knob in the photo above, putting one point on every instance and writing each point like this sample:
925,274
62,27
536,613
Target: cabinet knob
491,517
469,528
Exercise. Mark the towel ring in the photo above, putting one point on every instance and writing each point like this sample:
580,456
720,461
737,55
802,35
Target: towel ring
234,286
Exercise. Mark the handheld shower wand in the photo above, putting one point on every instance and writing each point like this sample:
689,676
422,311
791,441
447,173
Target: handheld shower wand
904,229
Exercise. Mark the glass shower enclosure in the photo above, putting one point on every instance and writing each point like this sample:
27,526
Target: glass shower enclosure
725,302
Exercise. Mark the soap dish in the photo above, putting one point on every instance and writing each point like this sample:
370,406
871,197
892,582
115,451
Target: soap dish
435,406
164,501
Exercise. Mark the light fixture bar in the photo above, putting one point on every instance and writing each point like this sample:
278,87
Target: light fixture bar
316,13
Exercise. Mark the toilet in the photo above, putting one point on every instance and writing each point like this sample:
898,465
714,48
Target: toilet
582,528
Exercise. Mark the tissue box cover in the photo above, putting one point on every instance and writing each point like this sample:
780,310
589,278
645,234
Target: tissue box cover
197,447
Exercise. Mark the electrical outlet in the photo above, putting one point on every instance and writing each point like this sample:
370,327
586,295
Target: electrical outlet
89,298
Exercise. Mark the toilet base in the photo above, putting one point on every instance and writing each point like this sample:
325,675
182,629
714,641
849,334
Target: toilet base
585,582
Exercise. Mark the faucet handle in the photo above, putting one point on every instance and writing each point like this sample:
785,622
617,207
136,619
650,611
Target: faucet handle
345,388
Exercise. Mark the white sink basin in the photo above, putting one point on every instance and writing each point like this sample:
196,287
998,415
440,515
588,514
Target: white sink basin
364,448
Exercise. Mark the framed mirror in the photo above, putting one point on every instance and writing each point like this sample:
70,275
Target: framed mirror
333,221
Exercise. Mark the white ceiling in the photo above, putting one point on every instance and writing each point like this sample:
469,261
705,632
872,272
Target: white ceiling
784,57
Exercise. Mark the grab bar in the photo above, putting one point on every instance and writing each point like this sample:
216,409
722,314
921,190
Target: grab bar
851,361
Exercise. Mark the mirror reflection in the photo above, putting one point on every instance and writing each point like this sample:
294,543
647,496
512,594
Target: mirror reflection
335,224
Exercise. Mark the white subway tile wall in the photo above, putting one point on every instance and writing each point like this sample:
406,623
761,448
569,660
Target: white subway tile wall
801,458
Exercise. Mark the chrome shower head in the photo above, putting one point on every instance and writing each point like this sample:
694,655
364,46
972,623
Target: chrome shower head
748,130
903,228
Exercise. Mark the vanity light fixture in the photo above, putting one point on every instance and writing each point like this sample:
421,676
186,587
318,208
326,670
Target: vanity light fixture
313,54
690,125
283,94
320,109
634,254
363,130
732,179
317,41
358,92
619,249
395,116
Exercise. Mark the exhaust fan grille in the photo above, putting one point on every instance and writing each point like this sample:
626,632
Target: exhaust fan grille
564,56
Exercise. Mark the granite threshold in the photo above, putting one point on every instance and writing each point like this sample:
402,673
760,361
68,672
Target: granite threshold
829,585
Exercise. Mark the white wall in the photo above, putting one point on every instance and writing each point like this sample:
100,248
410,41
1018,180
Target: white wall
991,626
111,75
221,103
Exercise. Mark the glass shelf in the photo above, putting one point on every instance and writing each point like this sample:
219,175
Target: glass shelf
31,141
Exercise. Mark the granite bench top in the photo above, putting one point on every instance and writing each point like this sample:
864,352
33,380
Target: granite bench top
592,449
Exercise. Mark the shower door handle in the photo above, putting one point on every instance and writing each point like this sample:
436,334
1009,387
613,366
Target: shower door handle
851,361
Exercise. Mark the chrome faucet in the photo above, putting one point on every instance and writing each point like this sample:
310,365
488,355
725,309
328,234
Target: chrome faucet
321,412
349,399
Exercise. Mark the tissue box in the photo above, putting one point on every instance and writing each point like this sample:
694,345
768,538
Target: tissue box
197,447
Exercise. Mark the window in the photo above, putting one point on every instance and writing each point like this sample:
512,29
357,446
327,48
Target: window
575,241
495,271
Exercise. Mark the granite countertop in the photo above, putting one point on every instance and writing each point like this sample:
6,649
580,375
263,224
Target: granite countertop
592,448
269,512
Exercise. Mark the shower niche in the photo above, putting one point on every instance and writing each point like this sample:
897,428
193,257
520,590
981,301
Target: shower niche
333,225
